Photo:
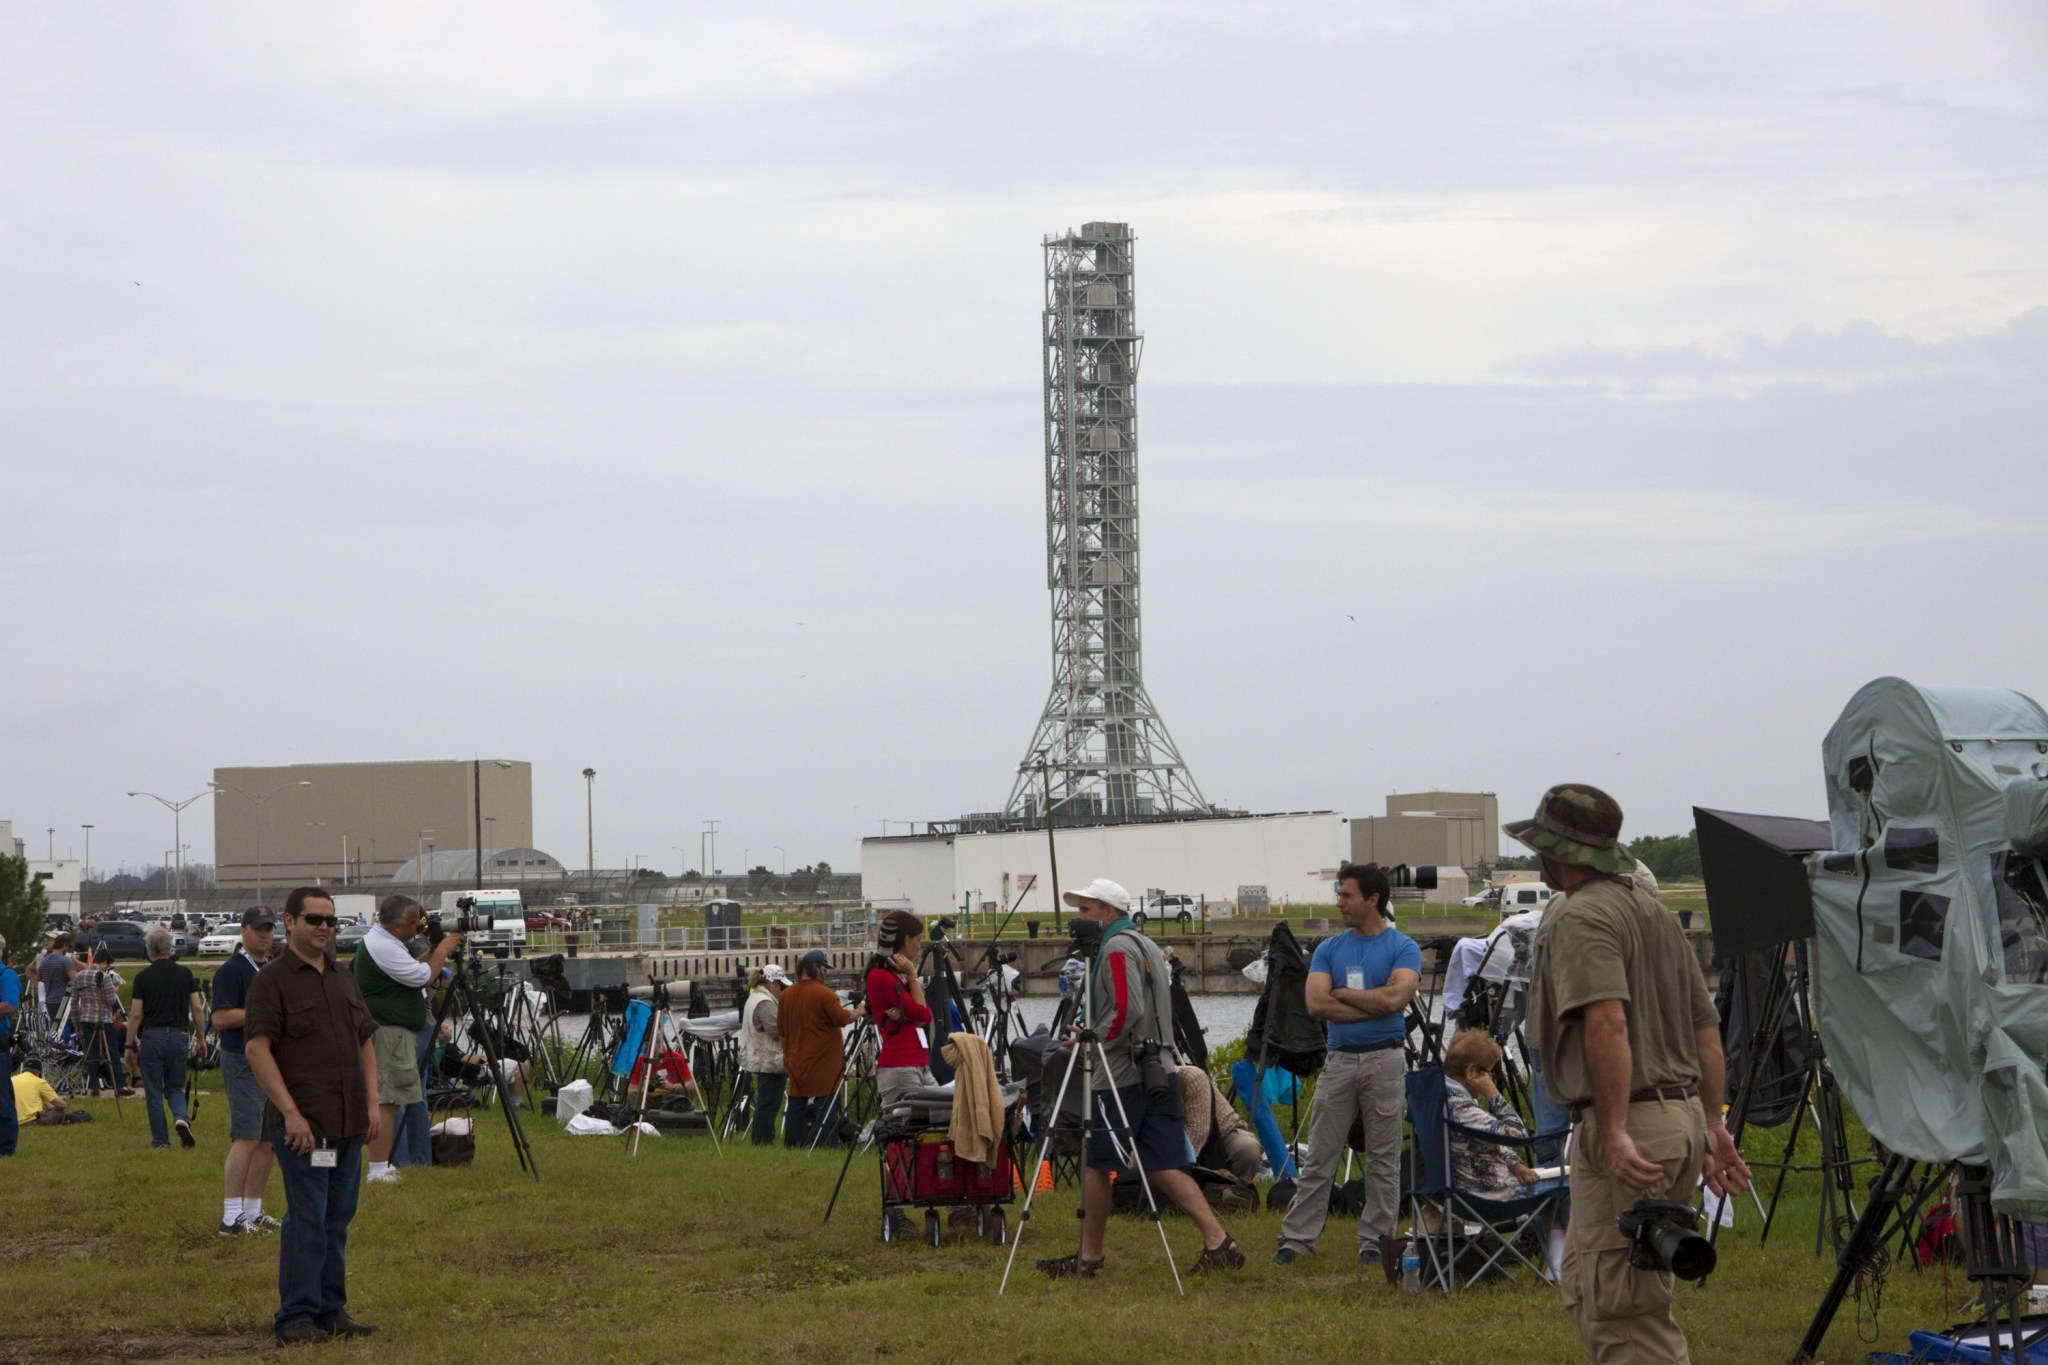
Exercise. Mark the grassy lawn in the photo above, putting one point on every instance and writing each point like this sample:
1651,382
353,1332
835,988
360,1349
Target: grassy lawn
110,1254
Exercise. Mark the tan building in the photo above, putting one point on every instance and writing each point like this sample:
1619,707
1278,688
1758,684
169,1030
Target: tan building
1443,828
349,823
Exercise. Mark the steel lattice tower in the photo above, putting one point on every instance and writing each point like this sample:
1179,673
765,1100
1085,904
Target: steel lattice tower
1105,751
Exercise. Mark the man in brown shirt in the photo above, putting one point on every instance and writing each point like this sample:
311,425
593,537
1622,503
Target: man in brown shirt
307,1037
810,1016
1631,1044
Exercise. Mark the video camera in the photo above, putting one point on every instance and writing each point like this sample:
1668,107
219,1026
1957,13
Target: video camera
1663,1235
940,928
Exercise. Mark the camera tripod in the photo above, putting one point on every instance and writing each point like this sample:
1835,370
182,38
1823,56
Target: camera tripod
461,991
655,1042
855,1085
1088,1053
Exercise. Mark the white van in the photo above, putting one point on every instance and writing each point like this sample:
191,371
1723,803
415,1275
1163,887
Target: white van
1518,898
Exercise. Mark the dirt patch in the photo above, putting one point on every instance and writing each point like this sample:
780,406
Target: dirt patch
125,1346
51,1245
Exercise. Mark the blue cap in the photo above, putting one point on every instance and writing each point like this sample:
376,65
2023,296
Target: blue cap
816,958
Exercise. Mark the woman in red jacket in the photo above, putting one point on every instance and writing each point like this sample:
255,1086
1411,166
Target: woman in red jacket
895,999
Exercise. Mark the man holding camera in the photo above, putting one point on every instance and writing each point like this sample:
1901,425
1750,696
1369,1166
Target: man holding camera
1359,985
393,983
1131,1013
1631,1046
307,1036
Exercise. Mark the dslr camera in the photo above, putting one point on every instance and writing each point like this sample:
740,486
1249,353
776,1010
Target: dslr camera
465,920
1663,1235
1421,878
1152,1069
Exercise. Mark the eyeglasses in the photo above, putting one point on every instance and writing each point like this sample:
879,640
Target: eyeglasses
321,921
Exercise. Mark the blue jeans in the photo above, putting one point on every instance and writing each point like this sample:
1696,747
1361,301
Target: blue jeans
102,1054
10,1127
806,1111
415,1145
312,1279
768,1088
163,1052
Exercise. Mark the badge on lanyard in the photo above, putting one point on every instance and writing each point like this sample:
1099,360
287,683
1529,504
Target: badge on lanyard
324,1157
1354,978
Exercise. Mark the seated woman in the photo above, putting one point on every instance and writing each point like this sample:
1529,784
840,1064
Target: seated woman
1482,1168
1222,1140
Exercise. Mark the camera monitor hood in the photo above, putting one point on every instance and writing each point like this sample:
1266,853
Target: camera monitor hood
1930,948
1755,871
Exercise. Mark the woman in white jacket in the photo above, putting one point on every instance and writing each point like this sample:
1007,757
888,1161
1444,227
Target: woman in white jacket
761,1049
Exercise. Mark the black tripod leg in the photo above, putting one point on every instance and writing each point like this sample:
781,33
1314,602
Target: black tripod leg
1865,1240
496,1064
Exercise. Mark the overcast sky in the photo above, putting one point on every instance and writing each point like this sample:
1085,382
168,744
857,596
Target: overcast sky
1531,393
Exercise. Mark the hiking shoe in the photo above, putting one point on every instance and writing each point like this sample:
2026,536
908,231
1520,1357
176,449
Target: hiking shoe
185,1134
1289,1255
261,1223
229,1230
304,1332
1225,1257
1369,1253
1071,1268
387,1177
345,1327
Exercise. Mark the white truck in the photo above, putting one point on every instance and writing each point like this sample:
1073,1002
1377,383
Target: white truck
505,912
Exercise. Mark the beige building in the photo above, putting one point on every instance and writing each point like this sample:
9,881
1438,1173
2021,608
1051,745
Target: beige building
350,823
1444,828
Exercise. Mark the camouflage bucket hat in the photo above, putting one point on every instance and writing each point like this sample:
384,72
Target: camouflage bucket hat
1576,824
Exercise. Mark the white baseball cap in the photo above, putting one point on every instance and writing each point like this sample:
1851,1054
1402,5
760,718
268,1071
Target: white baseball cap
1101,889
773,972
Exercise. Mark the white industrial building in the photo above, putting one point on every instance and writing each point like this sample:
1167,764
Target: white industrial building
1294,857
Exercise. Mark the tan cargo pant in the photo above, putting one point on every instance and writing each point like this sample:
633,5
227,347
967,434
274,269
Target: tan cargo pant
1624,1314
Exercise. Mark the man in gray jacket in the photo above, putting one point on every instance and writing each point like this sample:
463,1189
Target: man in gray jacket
1130,1011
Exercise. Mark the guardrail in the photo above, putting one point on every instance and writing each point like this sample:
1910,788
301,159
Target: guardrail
622,935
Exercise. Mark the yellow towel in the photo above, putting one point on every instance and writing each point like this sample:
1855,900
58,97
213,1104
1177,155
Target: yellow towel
977,1098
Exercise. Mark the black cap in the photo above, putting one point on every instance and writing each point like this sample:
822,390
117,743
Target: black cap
256,915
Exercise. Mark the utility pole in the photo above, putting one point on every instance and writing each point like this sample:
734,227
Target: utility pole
590,829
84,867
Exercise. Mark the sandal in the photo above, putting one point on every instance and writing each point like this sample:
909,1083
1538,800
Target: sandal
1071,1268
1225,1257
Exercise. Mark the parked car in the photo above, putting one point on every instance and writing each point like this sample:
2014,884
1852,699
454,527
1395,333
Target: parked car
1179,908
1518,897
536,923
122,938
222,942
349,937
1490,896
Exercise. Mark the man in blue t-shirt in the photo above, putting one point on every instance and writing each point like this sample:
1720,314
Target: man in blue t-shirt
249,1157
1359,985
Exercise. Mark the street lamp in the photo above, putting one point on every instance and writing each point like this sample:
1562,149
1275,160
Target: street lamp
589,830
257,801
710,834
422,847
783,856
84,868
177,810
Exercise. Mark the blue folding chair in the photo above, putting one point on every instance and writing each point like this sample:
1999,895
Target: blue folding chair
1509,1229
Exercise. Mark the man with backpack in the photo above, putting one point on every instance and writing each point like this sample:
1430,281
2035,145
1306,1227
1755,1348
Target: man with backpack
1130,1012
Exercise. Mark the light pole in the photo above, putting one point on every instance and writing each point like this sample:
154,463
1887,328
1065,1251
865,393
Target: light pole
590,830
476,785
710,835
422,845
257,801
315,824
784,857
177,810
84,867
53,843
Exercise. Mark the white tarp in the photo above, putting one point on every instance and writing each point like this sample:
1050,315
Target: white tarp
1931,960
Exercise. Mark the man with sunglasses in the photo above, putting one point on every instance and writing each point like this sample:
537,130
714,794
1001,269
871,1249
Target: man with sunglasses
307,1035
249,1161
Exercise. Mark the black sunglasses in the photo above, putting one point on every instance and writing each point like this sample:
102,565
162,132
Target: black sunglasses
321,921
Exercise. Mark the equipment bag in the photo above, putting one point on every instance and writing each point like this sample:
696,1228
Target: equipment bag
457,1148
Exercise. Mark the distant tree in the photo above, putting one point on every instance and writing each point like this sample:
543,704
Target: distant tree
1517,864
23,903
1673,857
823,869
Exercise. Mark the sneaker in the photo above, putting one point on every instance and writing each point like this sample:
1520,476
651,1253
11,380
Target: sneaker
1225,1257
261,1223
1369,1253
387,1177
230,1230
129,1092
1289,1255
185,1134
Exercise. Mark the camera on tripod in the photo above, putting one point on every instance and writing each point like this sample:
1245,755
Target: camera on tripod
465,920
1663,1235
1421,878
940,928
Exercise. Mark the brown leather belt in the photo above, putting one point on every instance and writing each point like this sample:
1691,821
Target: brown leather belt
1649,1096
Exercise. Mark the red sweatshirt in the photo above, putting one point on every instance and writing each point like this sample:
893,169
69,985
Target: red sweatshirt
901,1045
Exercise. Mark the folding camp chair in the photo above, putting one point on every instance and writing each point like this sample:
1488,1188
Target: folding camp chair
1504,1232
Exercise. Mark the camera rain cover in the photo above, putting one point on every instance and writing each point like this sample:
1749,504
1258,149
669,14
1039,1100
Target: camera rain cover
1930,951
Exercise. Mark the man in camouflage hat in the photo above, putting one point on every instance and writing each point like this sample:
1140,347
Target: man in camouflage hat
1631,1046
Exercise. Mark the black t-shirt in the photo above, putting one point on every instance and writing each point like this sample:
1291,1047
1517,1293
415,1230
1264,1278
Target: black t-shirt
165,989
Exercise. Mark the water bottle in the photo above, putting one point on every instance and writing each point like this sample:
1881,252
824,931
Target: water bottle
1411,1270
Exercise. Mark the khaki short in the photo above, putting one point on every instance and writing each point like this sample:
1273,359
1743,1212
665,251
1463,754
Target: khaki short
398,1068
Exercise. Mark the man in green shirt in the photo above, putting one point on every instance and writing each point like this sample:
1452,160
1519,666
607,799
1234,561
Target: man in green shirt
393,983
1631,1045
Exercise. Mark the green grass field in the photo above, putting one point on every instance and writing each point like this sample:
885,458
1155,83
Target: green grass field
110,1254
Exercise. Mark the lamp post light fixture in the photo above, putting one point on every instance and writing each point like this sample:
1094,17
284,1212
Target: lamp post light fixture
256,801
177,810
